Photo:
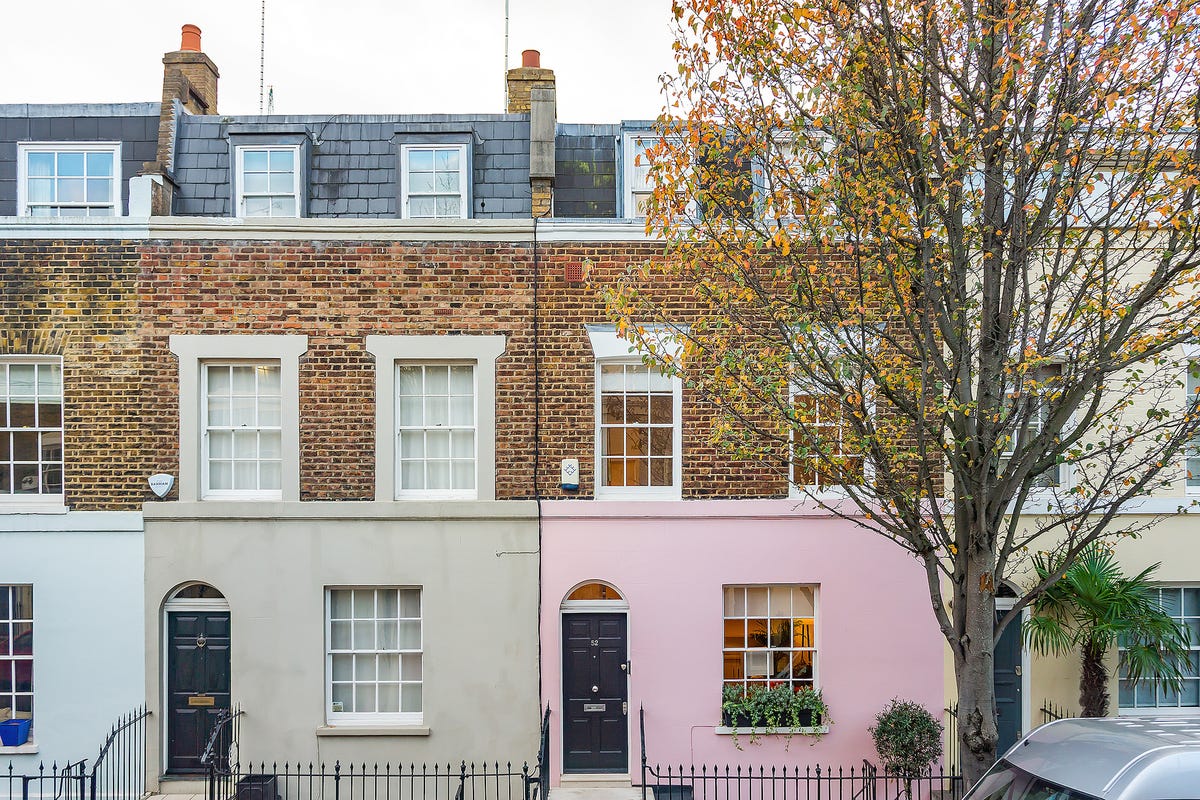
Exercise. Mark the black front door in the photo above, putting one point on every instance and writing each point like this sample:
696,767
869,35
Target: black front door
197,683
1006,676
595,693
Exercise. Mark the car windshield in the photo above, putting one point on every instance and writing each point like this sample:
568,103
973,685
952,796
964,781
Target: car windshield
1007,782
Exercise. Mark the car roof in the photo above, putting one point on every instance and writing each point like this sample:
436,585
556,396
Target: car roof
1130,758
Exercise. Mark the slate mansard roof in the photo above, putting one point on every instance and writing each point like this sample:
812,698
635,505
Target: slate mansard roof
352,160
134,125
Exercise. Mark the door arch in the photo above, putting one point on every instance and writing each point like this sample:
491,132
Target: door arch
595,679
196,672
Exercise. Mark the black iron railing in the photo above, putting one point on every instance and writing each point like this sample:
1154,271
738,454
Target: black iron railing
538,784
951,760
797,783
118,773
1052,711
467,781
221,755
120,770
717,782
66,782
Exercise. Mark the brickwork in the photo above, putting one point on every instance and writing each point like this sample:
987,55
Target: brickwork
568,382
521,83
337,294
109,308
77,300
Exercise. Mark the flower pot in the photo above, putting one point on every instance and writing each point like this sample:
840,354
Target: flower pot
14,732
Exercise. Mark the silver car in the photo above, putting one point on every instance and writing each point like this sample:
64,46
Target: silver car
1130,758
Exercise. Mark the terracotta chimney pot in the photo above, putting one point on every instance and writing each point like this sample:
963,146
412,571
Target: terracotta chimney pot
529,58
191,39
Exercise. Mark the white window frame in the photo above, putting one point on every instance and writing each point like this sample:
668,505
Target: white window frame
239,153
193,351
1157,710
815,648
479,350
820,491
439,494
629,152
24,148
371,718
15,659
609,348
464,174
206,491
41,502
1065,472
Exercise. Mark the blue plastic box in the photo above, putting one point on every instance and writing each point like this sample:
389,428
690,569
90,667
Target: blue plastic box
14,732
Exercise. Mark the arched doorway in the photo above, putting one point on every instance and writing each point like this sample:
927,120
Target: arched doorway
595,679
196,680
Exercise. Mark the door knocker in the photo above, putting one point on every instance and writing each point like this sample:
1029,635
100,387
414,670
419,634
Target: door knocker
201,640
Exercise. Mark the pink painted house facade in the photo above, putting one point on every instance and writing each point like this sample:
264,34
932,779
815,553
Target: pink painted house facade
645,603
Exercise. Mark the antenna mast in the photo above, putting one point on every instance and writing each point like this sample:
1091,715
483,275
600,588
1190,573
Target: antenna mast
262,52
504,73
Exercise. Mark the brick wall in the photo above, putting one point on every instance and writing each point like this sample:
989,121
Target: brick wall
568,382
337,294
76,300
109,308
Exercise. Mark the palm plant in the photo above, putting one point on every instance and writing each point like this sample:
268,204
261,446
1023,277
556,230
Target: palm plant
1093,607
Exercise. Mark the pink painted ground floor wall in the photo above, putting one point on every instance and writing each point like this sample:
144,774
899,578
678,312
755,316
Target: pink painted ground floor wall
875,634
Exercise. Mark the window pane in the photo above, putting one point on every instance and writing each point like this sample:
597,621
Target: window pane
419,207
420,182
448,207
283,207
220,475
40,190
340,635
343,667
40,164
446,182
408,380
100,164
756,601
410,603
282,160
410,697
99,190
71,190
270,475
256,207
389,667
254,160
420,160
220,444
364,604
389,698
437,475
447,160
410,634
462,380
70,164
339,603
410,666
463,475
462,411
256,183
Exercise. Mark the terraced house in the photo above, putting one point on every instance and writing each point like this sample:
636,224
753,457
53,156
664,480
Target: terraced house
415,489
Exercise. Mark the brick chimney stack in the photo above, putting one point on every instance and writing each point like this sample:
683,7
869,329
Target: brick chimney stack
189,77
531,91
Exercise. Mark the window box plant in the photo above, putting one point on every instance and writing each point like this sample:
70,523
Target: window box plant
775,710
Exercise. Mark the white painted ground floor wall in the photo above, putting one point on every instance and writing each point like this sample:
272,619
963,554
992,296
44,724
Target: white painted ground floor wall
475,565
85,568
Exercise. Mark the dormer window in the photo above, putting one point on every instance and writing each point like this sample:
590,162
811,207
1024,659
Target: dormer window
268,181
433,181
63,179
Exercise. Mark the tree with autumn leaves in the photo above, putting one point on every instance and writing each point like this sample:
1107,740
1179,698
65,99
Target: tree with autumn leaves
943,261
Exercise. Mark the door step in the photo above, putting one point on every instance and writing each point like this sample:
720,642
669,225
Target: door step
597,793
596,787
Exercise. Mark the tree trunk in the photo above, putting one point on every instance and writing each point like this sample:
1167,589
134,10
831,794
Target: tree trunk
1093,682
975,616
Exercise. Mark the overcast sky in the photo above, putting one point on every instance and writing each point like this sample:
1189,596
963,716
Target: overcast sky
344,56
